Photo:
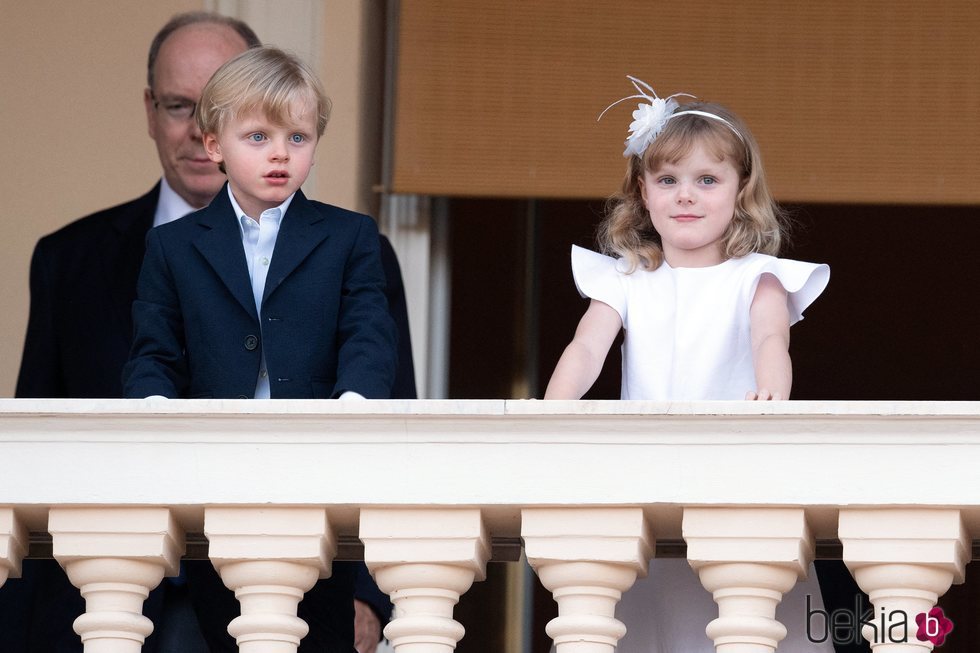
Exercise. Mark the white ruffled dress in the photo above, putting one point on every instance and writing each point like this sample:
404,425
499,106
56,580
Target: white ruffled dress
687,329
687,338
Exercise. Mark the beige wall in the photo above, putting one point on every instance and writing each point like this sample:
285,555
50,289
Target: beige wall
72,76
351,64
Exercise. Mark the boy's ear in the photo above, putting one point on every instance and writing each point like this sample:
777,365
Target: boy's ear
212,147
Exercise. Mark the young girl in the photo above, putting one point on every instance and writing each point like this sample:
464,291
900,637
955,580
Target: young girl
689,272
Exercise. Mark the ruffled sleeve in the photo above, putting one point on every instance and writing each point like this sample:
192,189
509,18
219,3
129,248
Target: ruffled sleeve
803,281
597,277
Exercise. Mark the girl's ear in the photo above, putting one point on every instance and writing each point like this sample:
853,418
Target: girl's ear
213,148
643,188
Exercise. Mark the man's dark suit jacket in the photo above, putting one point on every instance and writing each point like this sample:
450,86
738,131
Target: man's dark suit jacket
83,284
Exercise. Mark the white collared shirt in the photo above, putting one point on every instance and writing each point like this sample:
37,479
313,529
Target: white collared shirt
170,205
259,240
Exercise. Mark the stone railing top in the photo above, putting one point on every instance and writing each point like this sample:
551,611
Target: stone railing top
496,454
485,407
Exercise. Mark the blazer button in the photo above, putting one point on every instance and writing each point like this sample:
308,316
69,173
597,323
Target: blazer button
251,342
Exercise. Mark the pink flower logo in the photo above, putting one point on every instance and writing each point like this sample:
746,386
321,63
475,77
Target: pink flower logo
933,627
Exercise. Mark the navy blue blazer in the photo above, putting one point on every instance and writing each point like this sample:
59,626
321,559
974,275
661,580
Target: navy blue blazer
325,323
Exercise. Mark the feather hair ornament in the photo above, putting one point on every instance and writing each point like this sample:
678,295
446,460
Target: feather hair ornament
651,116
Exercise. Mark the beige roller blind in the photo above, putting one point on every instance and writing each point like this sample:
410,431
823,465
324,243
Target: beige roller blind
852,100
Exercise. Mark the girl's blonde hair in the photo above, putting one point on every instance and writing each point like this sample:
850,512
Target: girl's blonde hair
265,79
759,225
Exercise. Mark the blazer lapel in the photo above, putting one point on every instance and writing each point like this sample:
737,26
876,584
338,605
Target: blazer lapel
303,229
221,246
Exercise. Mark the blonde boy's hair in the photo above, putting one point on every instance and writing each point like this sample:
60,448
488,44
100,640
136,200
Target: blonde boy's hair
265,79
758,224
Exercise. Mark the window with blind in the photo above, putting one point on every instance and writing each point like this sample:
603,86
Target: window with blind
854,102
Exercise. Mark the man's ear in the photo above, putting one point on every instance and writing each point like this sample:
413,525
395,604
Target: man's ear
213,148
151,113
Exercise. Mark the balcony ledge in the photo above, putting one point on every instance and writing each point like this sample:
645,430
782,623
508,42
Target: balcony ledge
499,455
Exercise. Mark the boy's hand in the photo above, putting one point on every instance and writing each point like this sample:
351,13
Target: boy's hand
367,628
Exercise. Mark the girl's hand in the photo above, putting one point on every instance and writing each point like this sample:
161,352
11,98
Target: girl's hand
763,395
769,316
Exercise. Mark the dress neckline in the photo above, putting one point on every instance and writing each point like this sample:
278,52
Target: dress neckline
695,270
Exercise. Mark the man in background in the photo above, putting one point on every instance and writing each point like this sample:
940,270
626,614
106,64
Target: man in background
83,283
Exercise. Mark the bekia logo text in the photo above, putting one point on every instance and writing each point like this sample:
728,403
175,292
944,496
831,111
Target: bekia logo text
844,626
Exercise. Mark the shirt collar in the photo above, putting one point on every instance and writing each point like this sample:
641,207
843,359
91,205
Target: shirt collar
170,205
274,214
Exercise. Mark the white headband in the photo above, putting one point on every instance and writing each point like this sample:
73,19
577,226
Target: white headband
650,119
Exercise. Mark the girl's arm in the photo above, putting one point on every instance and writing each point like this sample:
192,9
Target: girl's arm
582,360
770,341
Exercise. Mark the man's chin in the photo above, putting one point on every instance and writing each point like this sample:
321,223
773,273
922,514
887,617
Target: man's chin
199,190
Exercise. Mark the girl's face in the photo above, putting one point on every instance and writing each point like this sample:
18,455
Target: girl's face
691,203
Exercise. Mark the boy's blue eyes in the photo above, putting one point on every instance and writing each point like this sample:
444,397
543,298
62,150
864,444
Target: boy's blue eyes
258,137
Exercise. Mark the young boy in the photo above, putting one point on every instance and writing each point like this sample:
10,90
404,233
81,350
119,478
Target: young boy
263,293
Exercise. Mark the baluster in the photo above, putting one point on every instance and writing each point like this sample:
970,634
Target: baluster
115,556
587,558
270,557
748,558
14,542
425,559
905,559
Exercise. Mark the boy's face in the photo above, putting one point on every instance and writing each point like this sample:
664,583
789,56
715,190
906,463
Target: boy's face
265,162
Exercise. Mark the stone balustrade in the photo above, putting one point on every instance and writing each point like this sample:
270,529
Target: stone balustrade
589,487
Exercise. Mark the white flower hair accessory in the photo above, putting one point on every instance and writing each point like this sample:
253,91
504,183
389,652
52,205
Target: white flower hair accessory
649,118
